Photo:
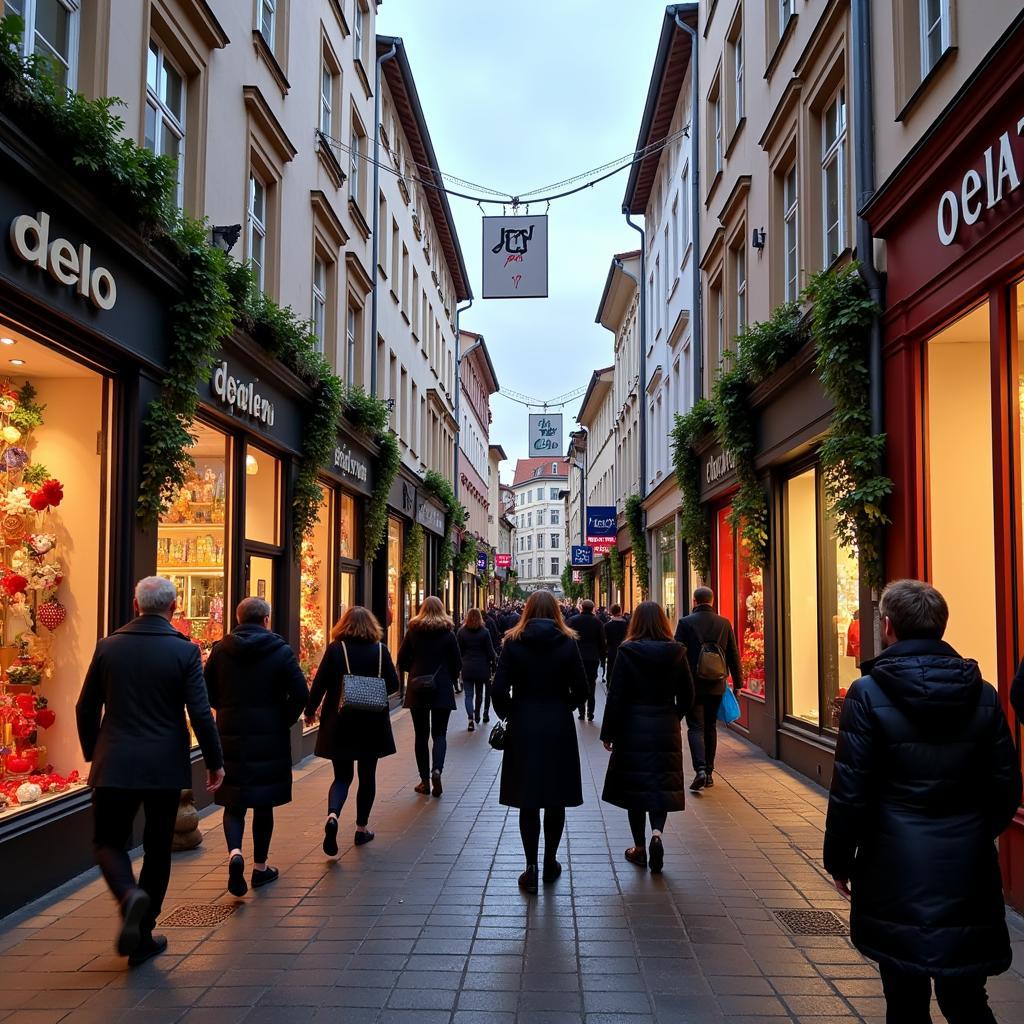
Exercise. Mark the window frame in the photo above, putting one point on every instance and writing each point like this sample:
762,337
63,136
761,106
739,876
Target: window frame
164,115
318,312
834,154
257,227
28,39
262,7
739,254
924,35
791,229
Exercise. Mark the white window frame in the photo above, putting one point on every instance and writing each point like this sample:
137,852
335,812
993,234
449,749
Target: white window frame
319,301
740,270
739,103
28,42
165,116
554,566
266,12
926,30
358,29
355,176
684,212
256,229
791,233
326,99
787,8
834,156
351,342
717,104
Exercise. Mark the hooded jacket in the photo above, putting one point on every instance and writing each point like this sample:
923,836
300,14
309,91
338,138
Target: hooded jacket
258,691
650,692
926,777
539,680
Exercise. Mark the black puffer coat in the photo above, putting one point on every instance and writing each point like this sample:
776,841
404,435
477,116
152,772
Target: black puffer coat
926,776
540,679
477,650
590,630
424,652
347,734
650,692
258,691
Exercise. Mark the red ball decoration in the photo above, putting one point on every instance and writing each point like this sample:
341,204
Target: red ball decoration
45,718
14,584
51,614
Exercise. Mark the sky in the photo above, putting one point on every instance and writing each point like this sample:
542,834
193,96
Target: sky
518,96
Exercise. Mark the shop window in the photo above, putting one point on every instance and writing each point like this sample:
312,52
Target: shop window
959,477
262,498
53,527
739,588
833,177
192,541
393,624
51,31
315,589
665,553
347,527
165,113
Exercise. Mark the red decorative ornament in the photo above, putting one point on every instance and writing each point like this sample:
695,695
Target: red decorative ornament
49,495
45,718
22,730
39,501
18,764
14,584
26,702
51,614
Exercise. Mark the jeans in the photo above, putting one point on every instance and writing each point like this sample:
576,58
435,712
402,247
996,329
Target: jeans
961,1000
529,831
427,724
590,668
702,731
478,696
114,813
262,830
344,772
638,825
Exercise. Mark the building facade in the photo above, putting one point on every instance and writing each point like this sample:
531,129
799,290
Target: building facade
540,553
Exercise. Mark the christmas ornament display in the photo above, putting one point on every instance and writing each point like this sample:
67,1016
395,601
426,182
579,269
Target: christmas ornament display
311,619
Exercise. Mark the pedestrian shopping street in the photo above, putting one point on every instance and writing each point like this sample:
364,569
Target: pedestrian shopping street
426,924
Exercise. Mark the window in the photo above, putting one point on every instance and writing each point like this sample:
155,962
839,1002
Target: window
529,519
51,31
529,541
555,517
355,163
267,14
555,544
684,212
553,496
787,8
676,258
714,121
716,326
555,570
327,100
351,344
319,311
790,235
540,541
529,567
737,69
358,29
165,113
256,222
833,176
740,270
554,468
540,517
934,20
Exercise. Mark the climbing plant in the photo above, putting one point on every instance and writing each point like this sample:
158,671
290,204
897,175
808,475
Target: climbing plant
454,515
618,570
635,522
466,554
412,557
693,519
572,591
386,466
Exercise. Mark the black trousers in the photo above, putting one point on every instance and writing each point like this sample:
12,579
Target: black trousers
529,832
262,830
344,772
590,667
702,731
638,825
114,813
427,725
961,1000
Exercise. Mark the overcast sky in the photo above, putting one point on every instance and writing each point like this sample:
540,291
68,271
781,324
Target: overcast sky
518,96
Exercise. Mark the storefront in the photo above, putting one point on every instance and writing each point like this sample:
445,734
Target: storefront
952,217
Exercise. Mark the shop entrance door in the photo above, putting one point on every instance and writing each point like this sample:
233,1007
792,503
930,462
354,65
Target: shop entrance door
260,574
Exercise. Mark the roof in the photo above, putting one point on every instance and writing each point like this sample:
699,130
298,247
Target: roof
554,468
595,389
407,105
501,451
490,376
616,267
670,66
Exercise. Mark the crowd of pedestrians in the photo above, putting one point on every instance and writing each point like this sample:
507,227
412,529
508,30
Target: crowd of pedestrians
926,773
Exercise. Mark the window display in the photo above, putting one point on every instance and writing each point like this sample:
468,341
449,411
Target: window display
665,548
393,626
347,527
315,589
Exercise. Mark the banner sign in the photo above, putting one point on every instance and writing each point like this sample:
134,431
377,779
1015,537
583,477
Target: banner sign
545,433
602,527
577,576
503,561
481,561
582,554
515,263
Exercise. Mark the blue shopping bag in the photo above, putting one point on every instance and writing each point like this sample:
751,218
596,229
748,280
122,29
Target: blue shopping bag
729,709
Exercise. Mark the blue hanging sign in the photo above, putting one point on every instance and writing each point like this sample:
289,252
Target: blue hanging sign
582,554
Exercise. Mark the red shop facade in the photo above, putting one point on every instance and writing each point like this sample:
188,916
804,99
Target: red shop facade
952,217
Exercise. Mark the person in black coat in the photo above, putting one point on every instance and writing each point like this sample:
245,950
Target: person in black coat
614,633
351,737
493,627
539,680
651,690
590,631
926,777
259,691
132,727
476,648
714,655
430,656
1017,693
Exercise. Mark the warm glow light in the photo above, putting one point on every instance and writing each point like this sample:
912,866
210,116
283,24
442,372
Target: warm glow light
252,467
7,341
12,435
17,362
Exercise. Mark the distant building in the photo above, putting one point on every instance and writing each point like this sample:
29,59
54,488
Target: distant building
540,554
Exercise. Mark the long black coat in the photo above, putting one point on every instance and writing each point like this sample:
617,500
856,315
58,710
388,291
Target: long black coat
259,691
590,630
139,683
477,651
349,734
705,625
540,679
614,634
926,776
1017,692
422,653
651,690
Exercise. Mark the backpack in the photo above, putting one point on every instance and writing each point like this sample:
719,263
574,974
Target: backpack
711,666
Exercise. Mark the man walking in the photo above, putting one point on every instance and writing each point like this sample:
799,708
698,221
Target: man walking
132,727
714,655
926,777
592,646
614,633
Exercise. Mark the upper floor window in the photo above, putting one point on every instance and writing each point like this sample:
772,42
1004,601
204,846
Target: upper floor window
739,103
790,237
51,31
934,19
554,469
355,166
256,230
787,8
358,29
554,541
540,517
833,176
319,311
326,100
165,113
267,14
740,270
555,517
716,112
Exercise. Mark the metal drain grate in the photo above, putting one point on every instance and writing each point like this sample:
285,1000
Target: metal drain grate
197,915
812,922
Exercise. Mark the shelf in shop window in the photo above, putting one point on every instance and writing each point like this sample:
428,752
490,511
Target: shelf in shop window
189,527
184,570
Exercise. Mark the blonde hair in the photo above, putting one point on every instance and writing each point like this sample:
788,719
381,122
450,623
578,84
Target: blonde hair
358,623
473,619
540,605
431,616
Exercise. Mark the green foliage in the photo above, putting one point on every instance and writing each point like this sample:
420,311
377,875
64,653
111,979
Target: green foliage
618,570
466,555
693,520
510,589
35,474
389,460
454,514
572,591
851,454
319,436
29,413
638,537
412,557
365,412
764,347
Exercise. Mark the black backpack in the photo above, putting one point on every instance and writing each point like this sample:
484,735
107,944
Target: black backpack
711,663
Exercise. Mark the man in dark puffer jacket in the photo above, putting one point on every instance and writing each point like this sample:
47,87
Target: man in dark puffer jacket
926,777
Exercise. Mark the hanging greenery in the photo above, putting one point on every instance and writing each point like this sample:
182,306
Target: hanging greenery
618,570
851,454
386,466
466,555
454,515
412,557
365,412
637,535
572,591
510,589
693,518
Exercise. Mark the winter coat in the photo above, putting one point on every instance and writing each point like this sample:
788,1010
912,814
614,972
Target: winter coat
703,625
651,690
477,651
423,653
926,777
1017,693
614,633
131,711
350,734
258,691
588,628
491,622
539,681
508,620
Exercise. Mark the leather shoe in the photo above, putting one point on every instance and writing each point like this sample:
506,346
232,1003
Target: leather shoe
149,947
700,780
552,870
657,856
528,880
133,912
261,878
362,838
236,876
637,855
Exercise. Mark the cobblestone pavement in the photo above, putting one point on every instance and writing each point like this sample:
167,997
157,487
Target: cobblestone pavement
426,924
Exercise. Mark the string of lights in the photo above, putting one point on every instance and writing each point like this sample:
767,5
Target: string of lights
538,403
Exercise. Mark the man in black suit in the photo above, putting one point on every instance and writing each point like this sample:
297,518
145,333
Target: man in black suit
714,655
614,633
132,727
592,646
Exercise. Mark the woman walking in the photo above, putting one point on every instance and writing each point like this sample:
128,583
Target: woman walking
351,737
650,692
477,650
430,655
540,679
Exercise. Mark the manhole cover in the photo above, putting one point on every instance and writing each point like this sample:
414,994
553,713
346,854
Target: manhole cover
197,915
812,922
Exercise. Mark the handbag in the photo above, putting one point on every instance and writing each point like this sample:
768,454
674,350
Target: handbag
497,736
426,685
729,709
363,693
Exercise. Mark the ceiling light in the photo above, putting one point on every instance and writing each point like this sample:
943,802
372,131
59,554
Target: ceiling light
7,341
17,362
252,467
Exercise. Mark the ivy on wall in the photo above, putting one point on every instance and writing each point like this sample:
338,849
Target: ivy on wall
572,591
693,517
641,562
618,569
465,556
389,461
454,515
412,557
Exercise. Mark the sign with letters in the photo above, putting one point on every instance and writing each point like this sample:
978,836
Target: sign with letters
481,562
503,561
545,433
241,396
577,576
602,527
515,261
582,554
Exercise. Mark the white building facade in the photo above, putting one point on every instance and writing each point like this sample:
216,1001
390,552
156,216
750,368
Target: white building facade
540,553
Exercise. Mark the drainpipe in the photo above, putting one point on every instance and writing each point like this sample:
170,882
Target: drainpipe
864,173
459,310
376,213
697,313
642,387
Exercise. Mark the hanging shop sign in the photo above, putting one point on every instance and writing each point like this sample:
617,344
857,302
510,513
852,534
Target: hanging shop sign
481,562
429,515
577,576
241,396
545,433
582,554
515,261
503,561
64,262
602,527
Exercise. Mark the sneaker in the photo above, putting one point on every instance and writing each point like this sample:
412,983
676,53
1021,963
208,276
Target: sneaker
552,869
331,837
590,718
149,947
364,837
471,726
236,876
264,877
487,716
700,780
528,880
710,780
133,911
423,787
637,855
435,783
657,857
